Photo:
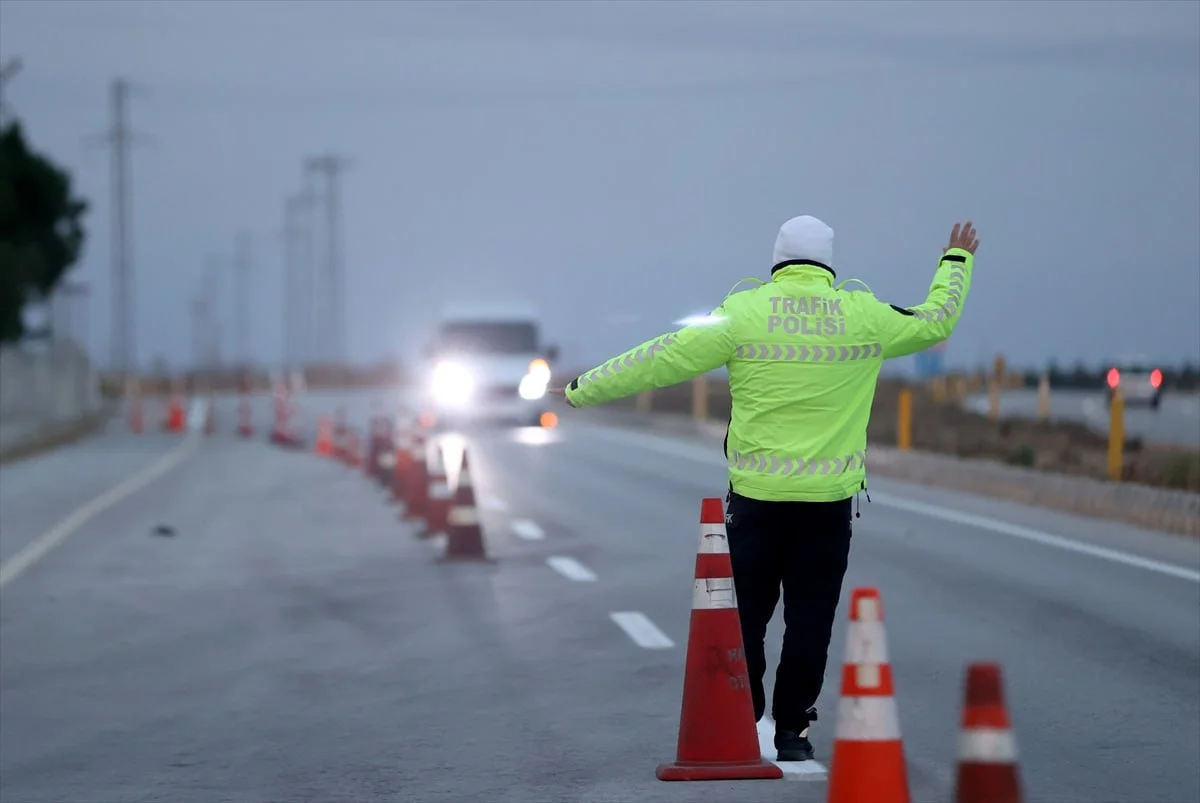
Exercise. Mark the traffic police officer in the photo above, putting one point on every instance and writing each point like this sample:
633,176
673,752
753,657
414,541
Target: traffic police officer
803,356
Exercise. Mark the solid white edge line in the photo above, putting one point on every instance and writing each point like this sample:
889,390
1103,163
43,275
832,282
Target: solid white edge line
1037,537
641,630
527,529
982,522
571,569
41,546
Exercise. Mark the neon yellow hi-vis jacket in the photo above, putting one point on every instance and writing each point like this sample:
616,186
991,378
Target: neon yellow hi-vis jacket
803,357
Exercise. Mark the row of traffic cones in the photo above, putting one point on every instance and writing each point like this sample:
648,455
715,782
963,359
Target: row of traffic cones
718,738
172,419
413,469
175,417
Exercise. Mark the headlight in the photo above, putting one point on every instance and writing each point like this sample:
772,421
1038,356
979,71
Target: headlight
452,383
533,386
540,368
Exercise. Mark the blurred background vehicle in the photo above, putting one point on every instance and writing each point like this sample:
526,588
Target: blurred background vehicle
1140,382
487,363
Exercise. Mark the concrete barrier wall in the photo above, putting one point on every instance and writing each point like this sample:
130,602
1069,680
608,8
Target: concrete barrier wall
44,388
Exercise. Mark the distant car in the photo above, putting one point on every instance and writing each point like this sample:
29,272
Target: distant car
1138,382
487,361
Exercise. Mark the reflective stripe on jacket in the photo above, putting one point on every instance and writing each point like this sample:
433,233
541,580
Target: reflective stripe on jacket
803,358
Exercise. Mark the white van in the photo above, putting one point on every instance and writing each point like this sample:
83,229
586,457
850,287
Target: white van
486,361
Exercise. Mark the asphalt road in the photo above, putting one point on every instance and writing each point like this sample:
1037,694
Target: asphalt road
1176,421
291,640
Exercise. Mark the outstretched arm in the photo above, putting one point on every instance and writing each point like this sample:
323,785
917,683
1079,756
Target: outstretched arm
658,363
904,331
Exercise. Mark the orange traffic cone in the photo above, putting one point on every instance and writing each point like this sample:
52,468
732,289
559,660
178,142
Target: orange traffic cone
402,467
245,419
324,444
987,750
417,494
718,738
464,537
868,754
175,415
437,509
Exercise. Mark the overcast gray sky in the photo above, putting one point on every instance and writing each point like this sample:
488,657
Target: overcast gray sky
624,163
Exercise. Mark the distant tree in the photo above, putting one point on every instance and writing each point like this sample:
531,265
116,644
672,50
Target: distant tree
41,228
1053,372
1188,375
1079,375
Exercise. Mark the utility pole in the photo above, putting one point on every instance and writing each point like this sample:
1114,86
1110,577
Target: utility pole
330,167
291,285
307,311
119,138
122,280
297,279
200,331
241,297
212,275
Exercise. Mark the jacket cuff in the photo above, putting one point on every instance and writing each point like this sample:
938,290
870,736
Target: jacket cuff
571,388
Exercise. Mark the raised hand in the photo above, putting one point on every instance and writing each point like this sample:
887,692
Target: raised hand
962,236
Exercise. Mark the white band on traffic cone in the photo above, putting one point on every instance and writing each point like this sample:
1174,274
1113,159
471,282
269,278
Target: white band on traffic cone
867,719
713,594
462,515
987,746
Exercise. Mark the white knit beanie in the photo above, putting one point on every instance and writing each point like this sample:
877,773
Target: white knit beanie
804,237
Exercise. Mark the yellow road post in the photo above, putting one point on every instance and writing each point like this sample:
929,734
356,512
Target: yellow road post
904,421
1116,436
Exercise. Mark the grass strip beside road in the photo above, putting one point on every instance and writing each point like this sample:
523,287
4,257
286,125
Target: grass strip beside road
1165,510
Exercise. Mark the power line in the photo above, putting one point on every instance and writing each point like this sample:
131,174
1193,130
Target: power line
333,329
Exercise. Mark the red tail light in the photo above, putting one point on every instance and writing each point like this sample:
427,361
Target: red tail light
1155,378
1114,377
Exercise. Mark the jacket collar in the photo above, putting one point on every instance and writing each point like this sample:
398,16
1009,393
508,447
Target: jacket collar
803,269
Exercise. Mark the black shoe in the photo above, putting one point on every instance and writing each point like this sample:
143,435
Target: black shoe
792,744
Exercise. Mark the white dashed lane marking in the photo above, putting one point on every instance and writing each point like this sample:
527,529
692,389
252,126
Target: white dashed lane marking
644,633
571,569
524,528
